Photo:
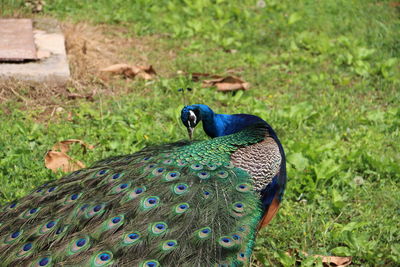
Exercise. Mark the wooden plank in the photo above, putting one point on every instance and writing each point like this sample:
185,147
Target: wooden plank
16,40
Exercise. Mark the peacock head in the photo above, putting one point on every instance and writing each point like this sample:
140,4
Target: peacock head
190,116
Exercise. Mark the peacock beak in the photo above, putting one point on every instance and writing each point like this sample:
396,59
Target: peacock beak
190,132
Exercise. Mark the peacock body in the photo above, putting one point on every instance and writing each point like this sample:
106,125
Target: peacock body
182,204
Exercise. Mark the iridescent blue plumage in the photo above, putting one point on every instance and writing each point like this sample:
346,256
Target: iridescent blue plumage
182,204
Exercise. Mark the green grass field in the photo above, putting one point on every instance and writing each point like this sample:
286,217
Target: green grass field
325,74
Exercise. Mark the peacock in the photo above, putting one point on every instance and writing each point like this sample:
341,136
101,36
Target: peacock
189,203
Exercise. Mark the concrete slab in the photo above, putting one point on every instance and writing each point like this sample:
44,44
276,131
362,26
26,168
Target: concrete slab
16,42
52,66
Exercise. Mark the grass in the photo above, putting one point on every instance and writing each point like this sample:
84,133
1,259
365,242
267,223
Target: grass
325,74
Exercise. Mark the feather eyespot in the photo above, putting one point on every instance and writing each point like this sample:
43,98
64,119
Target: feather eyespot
61,229
150,167
169,245
131,238
27,247
243,188
196,167
158,171
203,175
42,261
203,233
238,207
237,238
51,189
146,159
226,242
101,173
207,193
241,256
150,263
171,176
11,238
95,210
212,167
134,193
103,258
30,213
119,188
72,198
244,228
158,228
47,227
113,222
11,206
181,208
116,176
150,202
180,189
78,245
222,174
167,161
25,250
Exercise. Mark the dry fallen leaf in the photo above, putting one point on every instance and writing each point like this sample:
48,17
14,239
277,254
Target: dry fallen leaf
55,161
59,160
229,83
196,76
128,71
147,73
334,260
63,146
122,69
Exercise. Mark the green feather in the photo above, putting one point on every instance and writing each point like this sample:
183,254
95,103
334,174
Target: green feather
175,204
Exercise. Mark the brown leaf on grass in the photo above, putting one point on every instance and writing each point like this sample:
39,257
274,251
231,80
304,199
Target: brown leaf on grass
128,71
57,158
196,76
228,83
120,69
55,161
147,72
334,260
328,261
63,146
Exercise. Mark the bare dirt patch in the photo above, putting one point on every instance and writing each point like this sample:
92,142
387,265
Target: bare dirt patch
89,49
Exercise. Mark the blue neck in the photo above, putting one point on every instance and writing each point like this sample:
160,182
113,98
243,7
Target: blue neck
222,124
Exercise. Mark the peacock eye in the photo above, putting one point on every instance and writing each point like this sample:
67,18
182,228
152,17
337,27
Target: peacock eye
133,236
27,247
